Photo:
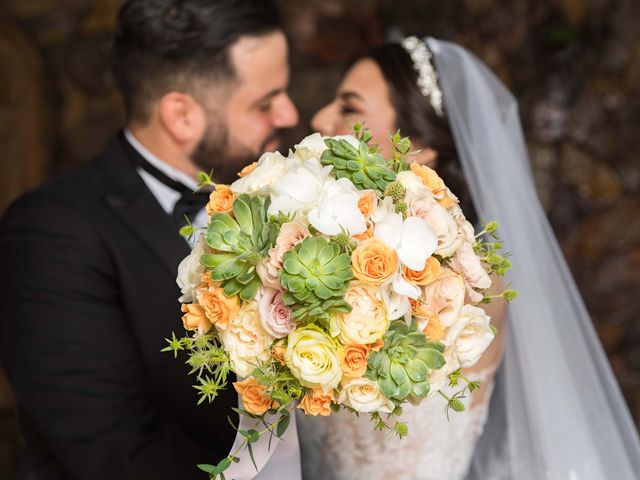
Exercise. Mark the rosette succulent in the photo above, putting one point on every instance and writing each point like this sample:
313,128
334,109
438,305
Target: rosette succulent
365,169
239,243
315,276
401,367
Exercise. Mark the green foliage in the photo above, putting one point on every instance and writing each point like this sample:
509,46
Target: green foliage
401,368
240,244
316,275
365,169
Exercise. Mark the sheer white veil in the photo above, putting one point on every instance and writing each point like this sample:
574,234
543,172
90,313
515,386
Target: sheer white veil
557,410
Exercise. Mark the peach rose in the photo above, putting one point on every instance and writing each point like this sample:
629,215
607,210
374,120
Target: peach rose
248,169
367,203
194,318
220,200
368,233
316,403
466,262
445,296
254,397
354,362
374,262
291,234
425,276
377,345
219,308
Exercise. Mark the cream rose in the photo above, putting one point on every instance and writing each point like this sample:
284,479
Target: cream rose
445,297
270,168
275,317
291,234
246,341
422,204
313,359
364,395
190,271
367,321
470,336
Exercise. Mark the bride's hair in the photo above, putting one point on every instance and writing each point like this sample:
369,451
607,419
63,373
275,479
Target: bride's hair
416,118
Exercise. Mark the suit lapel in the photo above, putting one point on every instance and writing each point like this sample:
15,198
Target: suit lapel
129,198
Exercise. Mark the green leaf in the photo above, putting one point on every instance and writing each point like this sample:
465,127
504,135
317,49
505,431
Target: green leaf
387,386
433,358
398,373
420,390
323,292
282,425
253,436
205,467
213,260
232,288
251,455
417,370
332,282
249,291
292,266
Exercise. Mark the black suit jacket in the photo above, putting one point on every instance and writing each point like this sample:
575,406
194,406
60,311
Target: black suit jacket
87,296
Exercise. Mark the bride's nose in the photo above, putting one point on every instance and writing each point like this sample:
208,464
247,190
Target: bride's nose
323,122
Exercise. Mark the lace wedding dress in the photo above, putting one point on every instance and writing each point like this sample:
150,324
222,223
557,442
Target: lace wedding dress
346,447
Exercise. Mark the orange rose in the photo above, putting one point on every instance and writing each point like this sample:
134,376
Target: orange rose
316,403
219,308
367,203
374,262
194,318
368,233
277,352
248,169
433,182
207,281
220,200
354,362
254,397
377,345
425,276
434,329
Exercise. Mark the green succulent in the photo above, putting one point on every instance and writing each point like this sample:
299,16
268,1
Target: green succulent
240,244
366,169
401,367
316,276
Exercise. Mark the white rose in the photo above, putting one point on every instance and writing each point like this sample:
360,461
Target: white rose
470,336
247,342
411,182
270,167
311,146
300,189
338,209
364,395
190,271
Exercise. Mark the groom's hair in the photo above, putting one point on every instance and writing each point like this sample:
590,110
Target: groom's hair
165,45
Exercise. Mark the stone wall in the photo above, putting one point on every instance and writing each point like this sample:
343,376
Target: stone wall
573,64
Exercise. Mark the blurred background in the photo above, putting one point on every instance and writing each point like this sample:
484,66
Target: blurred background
574,65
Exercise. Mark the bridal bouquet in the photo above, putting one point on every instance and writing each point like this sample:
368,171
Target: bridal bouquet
335,278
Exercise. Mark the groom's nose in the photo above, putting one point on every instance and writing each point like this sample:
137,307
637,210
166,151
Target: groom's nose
285,113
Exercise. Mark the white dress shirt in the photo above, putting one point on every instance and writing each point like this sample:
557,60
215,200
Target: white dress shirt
282,460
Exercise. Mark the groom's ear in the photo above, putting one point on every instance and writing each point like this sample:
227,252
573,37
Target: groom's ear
182,117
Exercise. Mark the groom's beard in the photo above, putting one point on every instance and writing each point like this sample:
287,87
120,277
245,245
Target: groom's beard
215,154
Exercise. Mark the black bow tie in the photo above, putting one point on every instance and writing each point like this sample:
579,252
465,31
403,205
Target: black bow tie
189,203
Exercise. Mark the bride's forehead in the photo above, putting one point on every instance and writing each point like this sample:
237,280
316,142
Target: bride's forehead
366,79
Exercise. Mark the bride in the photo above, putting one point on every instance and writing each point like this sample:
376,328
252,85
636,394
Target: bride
553,410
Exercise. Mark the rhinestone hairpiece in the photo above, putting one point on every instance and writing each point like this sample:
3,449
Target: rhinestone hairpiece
427,76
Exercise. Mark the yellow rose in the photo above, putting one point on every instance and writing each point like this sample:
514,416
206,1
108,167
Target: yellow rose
313,358
220,200
425,276
219,308
194,318
316,403
367,322
255,399
374,262
354,362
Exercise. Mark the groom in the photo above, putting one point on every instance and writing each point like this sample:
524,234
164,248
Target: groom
88,261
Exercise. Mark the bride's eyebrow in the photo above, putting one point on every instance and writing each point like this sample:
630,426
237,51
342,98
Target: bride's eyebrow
349,95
